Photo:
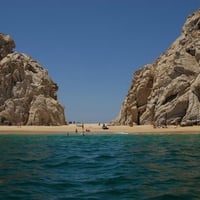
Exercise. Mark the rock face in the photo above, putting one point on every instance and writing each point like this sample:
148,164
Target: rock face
168,90
27,93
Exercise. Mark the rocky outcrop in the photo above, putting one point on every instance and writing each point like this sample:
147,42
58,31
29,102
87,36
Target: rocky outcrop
27,94
168,90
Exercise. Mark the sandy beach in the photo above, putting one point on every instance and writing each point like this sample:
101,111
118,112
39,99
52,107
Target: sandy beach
95,128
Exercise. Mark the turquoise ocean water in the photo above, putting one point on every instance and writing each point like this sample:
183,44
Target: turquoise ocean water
99,167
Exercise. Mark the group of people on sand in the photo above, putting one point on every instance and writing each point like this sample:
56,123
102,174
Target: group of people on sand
83,129
104,126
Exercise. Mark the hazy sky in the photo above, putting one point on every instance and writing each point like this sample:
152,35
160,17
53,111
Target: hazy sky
91,48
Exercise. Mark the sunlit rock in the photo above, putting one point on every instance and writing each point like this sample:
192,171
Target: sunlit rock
28,96
168,90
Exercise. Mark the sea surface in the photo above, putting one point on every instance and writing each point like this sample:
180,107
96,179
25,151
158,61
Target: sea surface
99,167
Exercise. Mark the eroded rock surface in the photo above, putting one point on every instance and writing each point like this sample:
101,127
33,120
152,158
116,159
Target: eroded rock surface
168,90
27,94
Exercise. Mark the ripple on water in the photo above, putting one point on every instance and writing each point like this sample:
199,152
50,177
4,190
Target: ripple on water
100,167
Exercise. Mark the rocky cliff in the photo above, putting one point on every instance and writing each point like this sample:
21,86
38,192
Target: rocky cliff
168,90
27,93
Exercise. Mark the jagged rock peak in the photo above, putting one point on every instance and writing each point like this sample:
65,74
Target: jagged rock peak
168,90
28,96
6,45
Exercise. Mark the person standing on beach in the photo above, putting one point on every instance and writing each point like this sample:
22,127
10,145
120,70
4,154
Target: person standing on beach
82,127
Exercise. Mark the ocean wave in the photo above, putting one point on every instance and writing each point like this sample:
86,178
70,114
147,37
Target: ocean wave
171,197
101,167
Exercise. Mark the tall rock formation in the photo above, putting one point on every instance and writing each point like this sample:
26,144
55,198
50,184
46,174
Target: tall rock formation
168,90
27,93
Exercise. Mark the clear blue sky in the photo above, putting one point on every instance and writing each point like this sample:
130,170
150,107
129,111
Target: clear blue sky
92,47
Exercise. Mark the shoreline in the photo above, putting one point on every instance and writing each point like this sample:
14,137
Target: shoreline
95,128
